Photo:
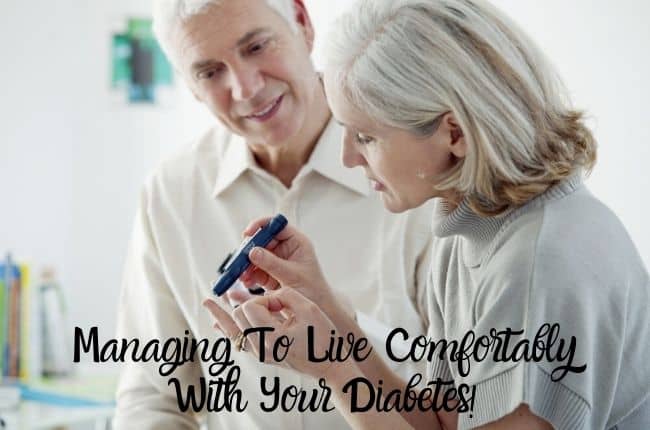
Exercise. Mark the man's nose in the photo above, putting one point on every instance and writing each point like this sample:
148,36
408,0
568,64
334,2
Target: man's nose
350,155
246,82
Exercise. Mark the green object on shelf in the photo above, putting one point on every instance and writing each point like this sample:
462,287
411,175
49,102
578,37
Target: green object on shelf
139,65
121,75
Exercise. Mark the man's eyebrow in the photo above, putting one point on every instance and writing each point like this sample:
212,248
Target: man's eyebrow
242,41
251,35
201,64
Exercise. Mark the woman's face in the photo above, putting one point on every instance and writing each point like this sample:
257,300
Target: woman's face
402,166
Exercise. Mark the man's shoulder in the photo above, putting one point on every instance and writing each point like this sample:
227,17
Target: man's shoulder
199,157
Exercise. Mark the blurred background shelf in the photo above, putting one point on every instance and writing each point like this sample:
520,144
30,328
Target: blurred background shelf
82,401
35,415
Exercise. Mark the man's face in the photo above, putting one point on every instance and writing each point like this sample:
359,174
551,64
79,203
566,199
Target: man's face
250,69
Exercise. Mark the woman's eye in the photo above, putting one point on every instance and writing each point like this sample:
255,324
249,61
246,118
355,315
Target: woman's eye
362,139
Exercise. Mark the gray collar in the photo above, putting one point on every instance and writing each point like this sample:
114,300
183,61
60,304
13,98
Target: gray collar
477,233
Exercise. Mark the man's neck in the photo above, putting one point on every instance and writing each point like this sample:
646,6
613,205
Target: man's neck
285,162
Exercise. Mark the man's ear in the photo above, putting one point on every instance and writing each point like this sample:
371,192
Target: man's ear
304,22
457,143
196,96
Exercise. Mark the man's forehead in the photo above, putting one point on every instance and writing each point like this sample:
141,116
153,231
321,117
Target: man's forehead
226,26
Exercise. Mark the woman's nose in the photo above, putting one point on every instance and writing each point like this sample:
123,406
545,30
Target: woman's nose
350,155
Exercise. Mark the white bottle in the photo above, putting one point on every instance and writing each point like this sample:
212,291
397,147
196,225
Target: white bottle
57,357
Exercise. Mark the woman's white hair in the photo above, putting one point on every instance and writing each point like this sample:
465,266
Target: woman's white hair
405,63
169,14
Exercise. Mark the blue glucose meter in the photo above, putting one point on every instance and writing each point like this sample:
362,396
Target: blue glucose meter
232,268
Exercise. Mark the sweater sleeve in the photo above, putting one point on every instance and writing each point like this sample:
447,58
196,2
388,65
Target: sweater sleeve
522,365
579,296
436,368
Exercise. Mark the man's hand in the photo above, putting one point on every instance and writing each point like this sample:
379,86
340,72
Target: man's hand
289,313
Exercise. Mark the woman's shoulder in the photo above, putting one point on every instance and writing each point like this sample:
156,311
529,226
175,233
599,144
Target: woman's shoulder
572,251
581,234
576,232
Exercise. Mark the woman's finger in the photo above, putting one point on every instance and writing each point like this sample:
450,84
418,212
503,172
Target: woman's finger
272,246
254,225
282,271
286,233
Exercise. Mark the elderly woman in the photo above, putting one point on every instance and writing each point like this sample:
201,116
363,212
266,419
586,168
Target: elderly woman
449,99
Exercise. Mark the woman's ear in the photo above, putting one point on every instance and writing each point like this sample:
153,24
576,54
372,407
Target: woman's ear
304,23
457,143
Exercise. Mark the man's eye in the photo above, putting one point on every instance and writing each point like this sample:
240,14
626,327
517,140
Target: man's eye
208,74
258,47
362,139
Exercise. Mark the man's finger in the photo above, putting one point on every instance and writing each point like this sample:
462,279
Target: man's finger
253,340
259,312
228,326
263,279
287,299
238,295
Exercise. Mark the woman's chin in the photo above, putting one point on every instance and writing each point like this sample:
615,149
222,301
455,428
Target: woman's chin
394,205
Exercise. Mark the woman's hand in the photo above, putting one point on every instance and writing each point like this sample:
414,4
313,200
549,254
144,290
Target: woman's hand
289,261
288,313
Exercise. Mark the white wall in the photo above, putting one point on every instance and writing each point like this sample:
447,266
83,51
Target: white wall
601,50
72,161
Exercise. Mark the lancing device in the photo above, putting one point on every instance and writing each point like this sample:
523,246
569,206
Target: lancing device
232,268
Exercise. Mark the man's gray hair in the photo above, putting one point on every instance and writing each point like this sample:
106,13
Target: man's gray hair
407,62
169,14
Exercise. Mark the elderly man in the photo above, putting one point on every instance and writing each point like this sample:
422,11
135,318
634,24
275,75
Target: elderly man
275,150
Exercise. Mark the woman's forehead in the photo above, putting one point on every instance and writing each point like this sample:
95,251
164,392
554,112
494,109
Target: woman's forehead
343,110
